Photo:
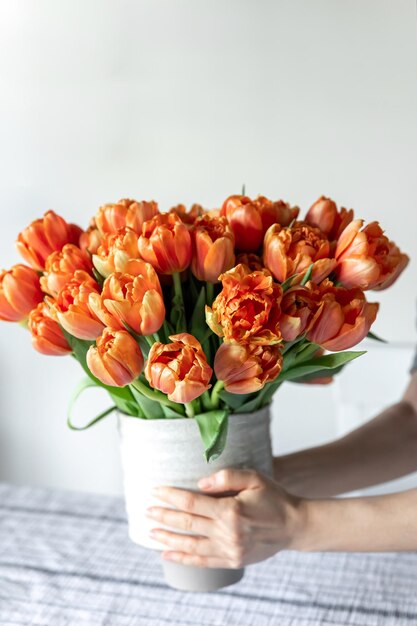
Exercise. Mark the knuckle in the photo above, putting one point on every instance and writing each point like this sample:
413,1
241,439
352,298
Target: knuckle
188,523
188,501
189,544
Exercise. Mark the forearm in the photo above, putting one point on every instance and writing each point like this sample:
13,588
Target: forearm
382,449
373,524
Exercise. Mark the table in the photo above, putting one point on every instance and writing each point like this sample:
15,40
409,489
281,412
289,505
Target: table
65,559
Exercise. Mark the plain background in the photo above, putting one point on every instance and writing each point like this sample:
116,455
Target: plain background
184,101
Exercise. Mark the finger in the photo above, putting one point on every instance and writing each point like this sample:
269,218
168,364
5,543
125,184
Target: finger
196,560
184,521
231,480
189,501
189,544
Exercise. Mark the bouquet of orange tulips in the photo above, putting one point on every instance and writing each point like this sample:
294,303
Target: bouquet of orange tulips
199,313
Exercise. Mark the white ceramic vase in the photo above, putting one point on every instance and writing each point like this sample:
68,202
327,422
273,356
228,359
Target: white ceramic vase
170,452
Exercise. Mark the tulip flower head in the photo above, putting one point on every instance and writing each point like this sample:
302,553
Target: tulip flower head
165,243
179,369
90,239
367,258
324,215
247,310
252,261
61,266
116,251
289,251
70,307
116,359
133,300
298,305
213,248
20,292
246,368
188,217
47,335
124,214
250,219
44,236
343,318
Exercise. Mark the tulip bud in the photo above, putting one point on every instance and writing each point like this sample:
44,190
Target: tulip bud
165,243
213,248
188,217
20,292
44,236
179,369
247,368
116,359
47,335
324,215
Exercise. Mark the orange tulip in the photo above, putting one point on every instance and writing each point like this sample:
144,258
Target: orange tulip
179,369
165,243
90,239
246,368
213,248
367,258
250,219
44,236
61,266
298,305
116,251
343,318
124,214
188,217
116,359
47,335
247,310
133,300
289,251
252,261
70,307
20,292
324,215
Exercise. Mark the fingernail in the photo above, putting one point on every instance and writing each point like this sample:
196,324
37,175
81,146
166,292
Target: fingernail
205,483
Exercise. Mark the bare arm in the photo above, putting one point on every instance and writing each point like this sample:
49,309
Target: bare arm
382,449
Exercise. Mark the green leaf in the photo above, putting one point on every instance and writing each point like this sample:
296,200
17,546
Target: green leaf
199,327
320,364
86,383
287,283
371,335
235,400
213,431
151,409
307,275
99,278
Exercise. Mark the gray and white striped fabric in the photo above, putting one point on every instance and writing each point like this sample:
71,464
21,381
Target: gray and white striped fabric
65,559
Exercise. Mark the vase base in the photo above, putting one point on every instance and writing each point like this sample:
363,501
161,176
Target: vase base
202,579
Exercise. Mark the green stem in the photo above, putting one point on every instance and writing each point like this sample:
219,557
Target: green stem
178,308
206,401
189,409
156,337
149,339
156,396
215,400
210,293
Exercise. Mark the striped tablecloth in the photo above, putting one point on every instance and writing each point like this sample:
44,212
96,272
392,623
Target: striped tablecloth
65,559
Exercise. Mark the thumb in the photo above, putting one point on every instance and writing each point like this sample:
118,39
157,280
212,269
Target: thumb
230,480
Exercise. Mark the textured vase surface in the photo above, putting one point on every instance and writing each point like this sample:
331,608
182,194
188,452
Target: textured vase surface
171,452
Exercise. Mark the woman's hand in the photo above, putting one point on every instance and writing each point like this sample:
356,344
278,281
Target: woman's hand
229,531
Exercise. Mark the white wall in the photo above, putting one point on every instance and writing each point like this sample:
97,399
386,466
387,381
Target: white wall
180,100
